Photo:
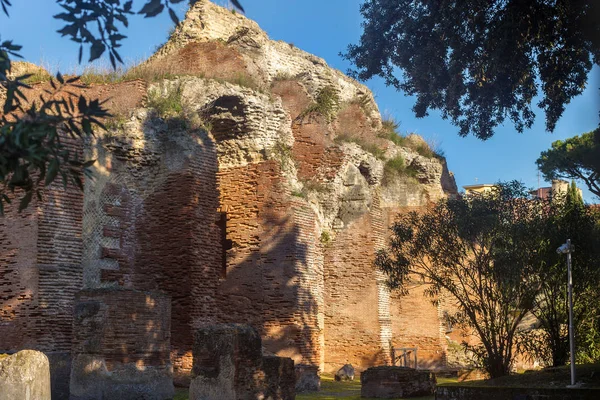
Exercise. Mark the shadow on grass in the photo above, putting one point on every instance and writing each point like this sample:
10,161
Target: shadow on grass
330,390
350,390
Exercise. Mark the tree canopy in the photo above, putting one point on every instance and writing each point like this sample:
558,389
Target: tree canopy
481,62
574,158
566,217
32,146
478,251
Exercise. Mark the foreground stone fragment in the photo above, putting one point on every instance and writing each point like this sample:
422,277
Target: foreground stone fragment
307,378
396,382
228,364
121,343
346,373
279,378
24,375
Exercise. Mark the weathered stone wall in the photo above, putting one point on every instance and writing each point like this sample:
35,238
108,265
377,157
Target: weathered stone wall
151,220
244,208
24,375
40,271
273,277
229,364
352,333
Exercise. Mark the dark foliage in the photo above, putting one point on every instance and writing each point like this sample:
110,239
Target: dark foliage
479,253
481,62
574,158
32,137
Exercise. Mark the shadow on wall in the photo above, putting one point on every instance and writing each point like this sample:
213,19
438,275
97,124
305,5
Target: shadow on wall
273,276
153,221
149,219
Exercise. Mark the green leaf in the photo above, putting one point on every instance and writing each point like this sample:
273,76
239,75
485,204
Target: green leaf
96,50
152,8
25,200
173,16
52,171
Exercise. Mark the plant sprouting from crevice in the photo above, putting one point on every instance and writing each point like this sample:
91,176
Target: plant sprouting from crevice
326,104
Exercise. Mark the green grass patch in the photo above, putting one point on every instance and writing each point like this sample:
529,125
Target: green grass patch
554,377
242,80
181,394
349,390
167,103
38,76
367,146
390,131
396,168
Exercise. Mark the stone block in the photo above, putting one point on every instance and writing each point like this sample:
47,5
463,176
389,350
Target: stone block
227,363
279,378
307,378
121,343
396,382
346,373
24,375
60,373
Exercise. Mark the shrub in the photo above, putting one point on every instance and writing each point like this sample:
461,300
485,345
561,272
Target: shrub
326,104
283,76
366,146
116,122
38,76
395,168
166,102
282,152
389,131
297,193
325,238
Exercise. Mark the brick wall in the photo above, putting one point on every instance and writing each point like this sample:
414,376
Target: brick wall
151,224
18,278
40,256
352,320
415,321
273,277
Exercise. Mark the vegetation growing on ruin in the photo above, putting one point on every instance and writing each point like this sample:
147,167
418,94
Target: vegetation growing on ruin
326,104
395,168
282,152
38,76
325,238
243,80
116,122
166,100
367,146
390,131
282,76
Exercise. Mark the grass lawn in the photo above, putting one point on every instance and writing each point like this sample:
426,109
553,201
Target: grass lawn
588,374
330,390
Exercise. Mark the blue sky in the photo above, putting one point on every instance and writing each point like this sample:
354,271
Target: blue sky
324,28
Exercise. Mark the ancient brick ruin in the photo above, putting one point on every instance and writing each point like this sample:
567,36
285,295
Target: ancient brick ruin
251,208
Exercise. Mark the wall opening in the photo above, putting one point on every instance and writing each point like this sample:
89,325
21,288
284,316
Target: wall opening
226,244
